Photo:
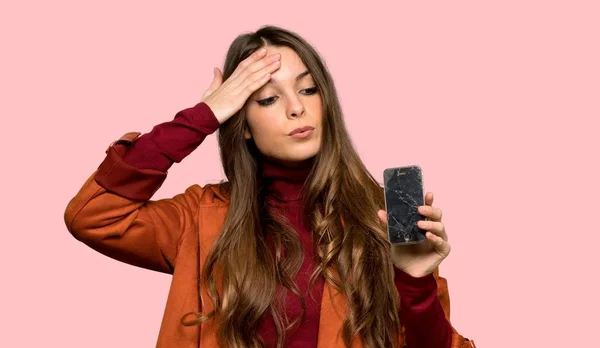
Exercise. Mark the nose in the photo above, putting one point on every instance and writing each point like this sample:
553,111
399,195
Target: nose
296,108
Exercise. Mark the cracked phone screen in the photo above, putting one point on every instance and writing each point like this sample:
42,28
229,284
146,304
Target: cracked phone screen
403,195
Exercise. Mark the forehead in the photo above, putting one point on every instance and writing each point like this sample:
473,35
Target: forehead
291,64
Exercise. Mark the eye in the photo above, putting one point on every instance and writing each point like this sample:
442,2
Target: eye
311,91
267,101
271,100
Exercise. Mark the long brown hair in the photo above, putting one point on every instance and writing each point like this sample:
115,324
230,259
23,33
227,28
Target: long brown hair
342,198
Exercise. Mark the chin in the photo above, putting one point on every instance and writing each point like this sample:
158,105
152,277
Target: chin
299,159
296,156
303,154
291,152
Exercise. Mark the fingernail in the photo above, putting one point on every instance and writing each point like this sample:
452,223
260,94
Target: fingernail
262,50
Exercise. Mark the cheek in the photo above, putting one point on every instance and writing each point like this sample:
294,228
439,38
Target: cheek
316,107
265,130
267,142
259,127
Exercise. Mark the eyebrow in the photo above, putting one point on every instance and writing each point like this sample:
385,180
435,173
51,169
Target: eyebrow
300,76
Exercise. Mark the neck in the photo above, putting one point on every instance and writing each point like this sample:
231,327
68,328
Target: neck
285,180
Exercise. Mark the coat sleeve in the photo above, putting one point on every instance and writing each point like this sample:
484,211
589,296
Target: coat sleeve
458,341
112,212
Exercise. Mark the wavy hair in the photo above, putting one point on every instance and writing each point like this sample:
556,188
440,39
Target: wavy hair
342,198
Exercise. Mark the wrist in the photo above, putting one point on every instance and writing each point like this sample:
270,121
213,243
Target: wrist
215,111
414,288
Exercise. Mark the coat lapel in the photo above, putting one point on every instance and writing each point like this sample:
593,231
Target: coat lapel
333,311
210,223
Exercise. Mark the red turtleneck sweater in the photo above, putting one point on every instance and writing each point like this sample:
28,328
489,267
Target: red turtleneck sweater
421,314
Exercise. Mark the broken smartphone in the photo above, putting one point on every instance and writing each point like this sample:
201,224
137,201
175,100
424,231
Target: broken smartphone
403,188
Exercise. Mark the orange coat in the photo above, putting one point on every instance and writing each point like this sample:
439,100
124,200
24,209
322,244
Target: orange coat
174,236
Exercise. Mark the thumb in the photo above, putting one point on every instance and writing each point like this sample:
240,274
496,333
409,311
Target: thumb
218,77
216,82
382,216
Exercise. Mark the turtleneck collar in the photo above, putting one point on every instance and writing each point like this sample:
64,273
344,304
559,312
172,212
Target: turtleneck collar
285,182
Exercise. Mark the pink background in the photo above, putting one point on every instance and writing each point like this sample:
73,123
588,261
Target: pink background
499,103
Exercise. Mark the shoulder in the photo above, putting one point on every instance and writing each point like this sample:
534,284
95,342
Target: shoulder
210,194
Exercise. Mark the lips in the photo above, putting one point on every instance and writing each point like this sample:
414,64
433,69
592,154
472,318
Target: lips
300,130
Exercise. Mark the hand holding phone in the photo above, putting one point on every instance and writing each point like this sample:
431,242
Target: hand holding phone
403,195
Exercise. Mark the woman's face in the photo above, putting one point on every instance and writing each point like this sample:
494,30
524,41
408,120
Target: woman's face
288,102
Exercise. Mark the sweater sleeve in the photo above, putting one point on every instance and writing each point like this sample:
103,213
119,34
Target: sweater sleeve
170,142
137,170
421,312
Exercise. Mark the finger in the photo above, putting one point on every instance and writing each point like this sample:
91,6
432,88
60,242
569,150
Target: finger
255,56
255,81
434,227
259,69
429,198
442,246
254,86
382,216
216,82
432,213
256,66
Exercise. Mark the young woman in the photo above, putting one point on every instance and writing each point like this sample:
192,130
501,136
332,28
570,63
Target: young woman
291,250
